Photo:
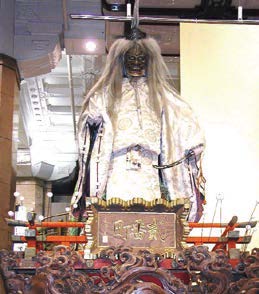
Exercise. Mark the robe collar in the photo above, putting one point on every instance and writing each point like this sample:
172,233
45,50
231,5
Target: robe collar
140,83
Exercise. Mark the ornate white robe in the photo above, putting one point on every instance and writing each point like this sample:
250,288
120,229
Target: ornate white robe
120,169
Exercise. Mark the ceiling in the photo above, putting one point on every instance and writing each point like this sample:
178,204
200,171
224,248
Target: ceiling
47,42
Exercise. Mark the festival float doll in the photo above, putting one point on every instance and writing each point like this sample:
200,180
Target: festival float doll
132,125
140,150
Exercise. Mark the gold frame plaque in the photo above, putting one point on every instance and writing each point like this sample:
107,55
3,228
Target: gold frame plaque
159,226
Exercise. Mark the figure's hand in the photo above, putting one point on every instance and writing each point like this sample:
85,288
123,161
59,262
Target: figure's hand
194,151
94,120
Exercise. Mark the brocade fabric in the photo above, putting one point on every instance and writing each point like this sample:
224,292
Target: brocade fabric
134,123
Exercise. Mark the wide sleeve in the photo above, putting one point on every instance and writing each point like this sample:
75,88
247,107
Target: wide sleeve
88,127
181,134
95,141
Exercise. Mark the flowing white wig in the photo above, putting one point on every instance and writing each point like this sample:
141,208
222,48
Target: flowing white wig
112,75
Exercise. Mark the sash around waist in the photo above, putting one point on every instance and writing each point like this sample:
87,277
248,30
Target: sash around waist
144,152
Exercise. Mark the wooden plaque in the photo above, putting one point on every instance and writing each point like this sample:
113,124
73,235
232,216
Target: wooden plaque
136,229
158,227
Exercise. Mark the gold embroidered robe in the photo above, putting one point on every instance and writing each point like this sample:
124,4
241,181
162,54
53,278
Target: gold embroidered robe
134,123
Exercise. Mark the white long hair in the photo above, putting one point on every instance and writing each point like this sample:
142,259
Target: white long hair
112,75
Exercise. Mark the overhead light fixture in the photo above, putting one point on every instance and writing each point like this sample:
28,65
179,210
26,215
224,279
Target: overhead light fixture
90,46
